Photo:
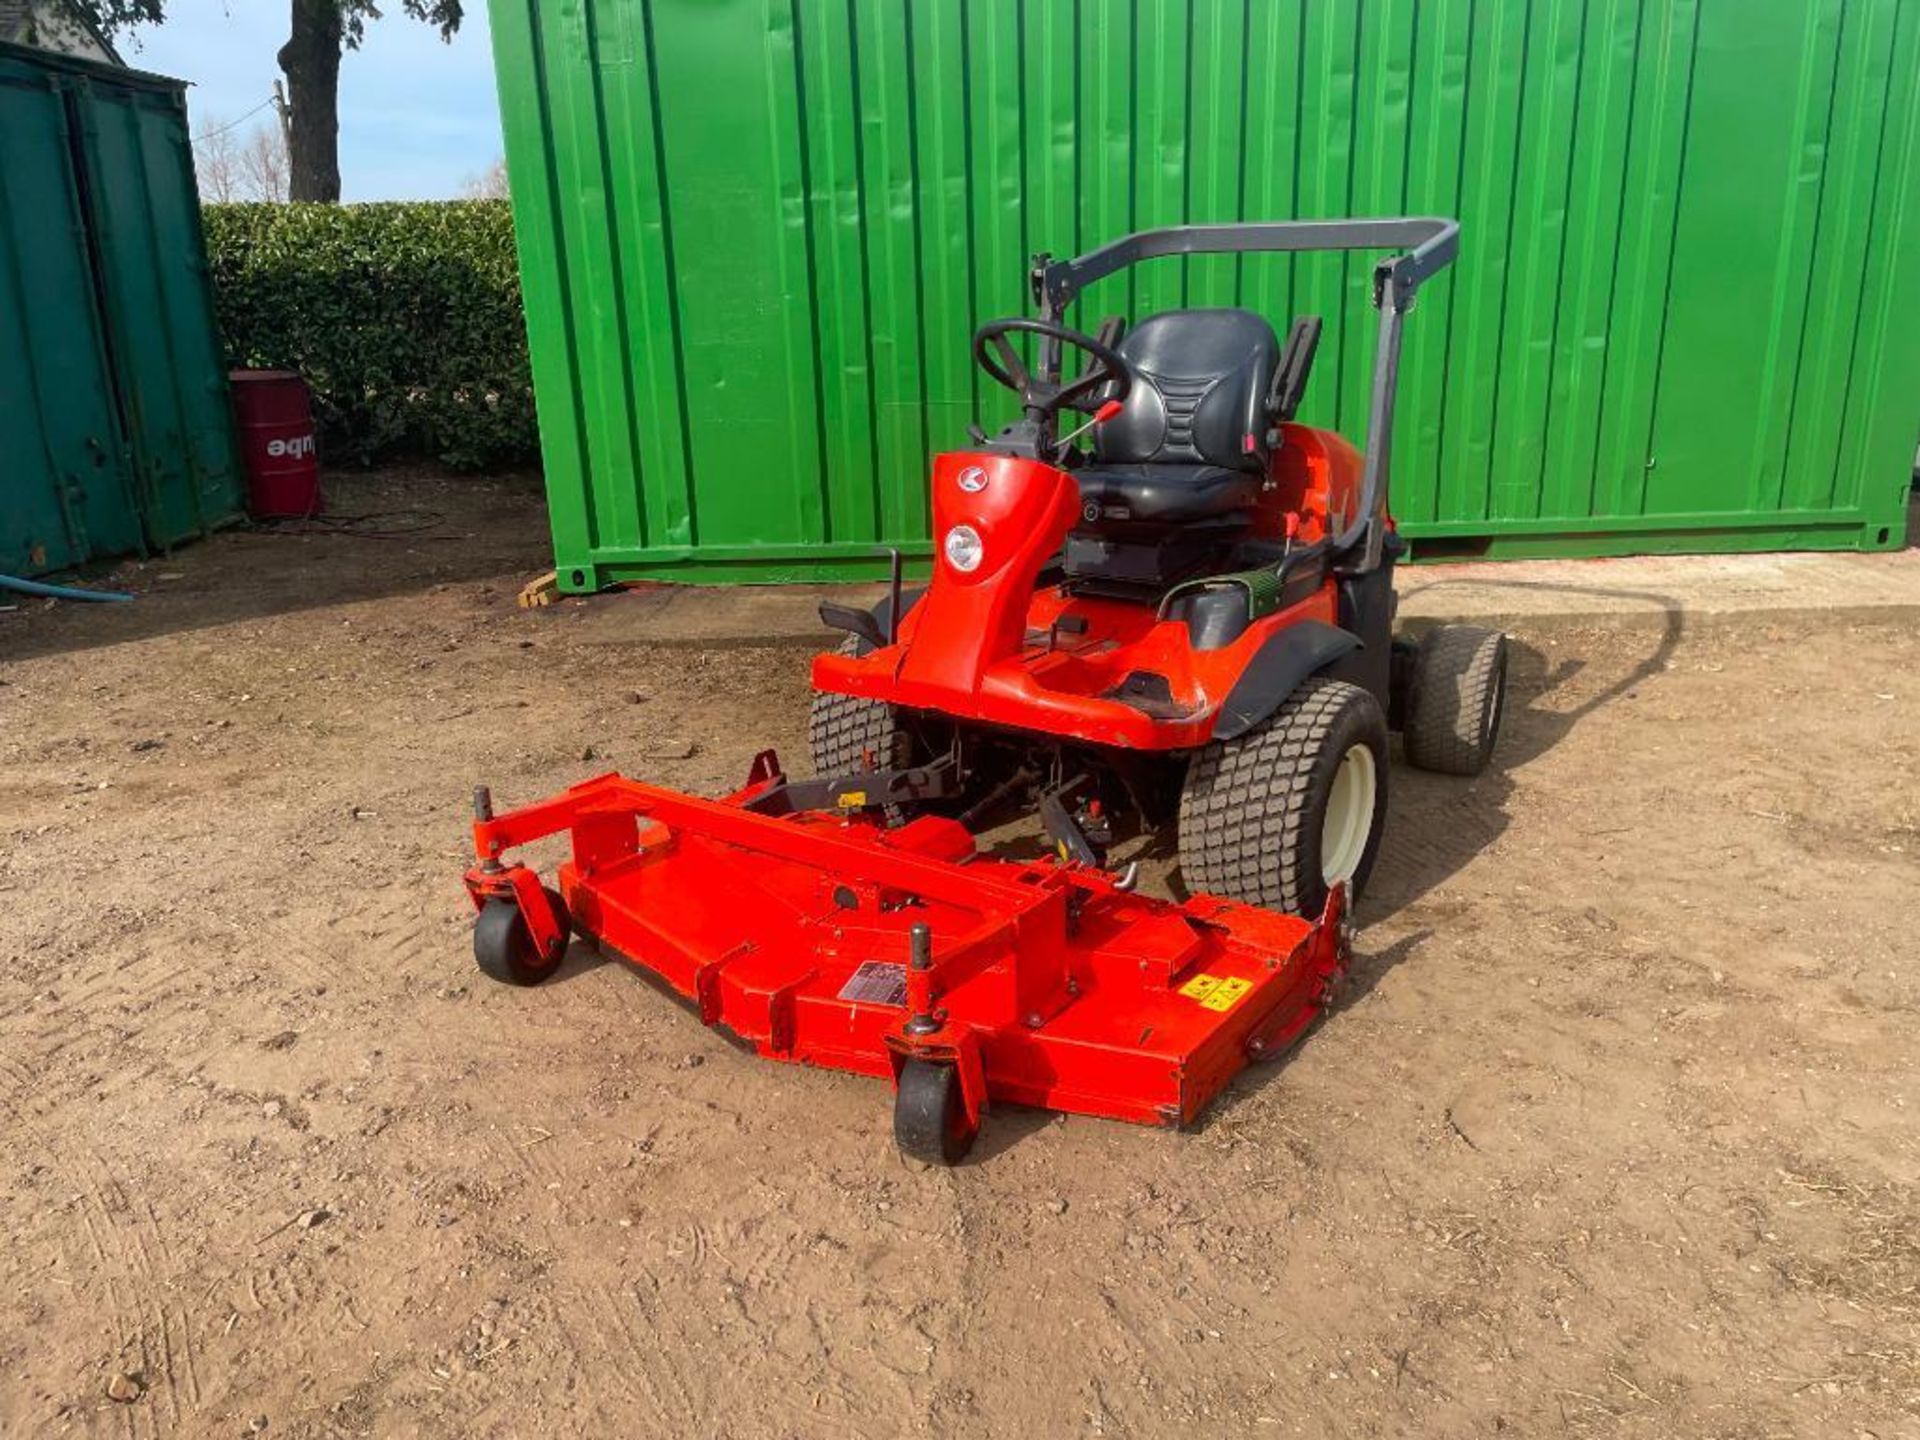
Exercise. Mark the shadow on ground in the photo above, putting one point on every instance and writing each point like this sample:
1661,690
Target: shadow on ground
411,531
1437,824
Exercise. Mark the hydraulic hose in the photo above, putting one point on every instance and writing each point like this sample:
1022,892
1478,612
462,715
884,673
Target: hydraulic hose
60,592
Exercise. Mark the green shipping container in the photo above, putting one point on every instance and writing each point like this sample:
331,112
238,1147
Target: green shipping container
756,237
117,434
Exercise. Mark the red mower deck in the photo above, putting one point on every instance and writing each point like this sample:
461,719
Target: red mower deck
842,943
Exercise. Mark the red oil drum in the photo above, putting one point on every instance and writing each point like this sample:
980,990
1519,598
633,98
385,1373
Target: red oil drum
275,418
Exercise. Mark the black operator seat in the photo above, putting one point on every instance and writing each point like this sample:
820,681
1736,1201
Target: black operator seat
1190,444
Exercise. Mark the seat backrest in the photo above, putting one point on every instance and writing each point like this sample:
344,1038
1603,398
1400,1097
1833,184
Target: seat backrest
1201,381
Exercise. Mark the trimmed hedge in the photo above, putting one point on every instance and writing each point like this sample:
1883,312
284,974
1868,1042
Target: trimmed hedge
405,320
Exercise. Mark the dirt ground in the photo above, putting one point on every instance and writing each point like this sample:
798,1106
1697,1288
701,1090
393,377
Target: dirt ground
1614,1134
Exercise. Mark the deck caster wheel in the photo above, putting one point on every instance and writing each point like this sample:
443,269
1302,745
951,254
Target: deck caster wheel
503,947
929,1117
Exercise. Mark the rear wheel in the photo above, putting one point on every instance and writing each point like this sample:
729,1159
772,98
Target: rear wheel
843,730
929,1116
1278,817
1456,691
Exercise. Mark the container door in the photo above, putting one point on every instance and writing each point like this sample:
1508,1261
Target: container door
137,185
65,485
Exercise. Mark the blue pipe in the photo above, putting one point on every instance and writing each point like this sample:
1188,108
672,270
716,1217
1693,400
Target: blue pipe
58,592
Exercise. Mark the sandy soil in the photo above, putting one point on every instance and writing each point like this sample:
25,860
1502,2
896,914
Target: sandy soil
1613,1136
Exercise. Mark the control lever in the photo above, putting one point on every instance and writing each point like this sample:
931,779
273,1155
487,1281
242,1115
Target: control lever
1296,364
1072,840
1100,417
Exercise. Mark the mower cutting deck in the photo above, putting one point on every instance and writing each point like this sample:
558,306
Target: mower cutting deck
1186,629
837,941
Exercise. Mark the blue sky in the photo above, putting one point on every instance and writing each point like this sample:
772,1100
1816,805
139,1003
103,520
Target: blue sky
418,118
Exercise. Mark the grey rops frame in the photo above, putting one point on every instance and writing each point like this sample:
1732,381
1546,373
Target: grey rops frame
1428,245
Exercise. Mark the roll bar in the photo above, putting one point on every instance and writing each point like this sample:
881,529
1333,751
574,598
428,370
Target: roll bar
1427,245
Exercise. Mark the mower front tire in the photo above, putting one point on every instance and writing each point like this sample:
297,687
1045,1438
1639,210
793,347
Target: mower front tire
843,730
1277,817
1456,693
504,948
929,1116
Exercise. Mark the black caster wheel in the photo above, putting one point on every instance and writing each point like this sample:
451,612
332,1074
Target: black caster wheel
929,1117
504,949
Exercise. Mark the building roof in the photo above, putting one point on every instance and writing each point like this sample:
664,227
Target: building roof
57,25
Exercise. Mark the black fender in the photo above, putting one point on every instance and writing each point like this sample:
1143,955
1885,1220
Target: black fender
1276,670
883,611
869,628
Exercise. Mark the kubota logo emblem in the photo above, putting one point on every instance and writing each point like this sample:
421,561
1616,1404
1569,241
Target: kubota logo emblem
973,479
290,449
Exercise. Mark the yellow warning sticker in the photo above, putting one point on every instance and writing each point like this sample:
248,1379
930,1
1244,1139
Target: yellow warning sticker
852,799
1227,993
1199,987
1216,992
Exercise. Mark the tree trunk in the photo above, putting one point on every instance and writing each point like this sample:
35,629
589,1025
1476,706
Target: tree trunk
311,60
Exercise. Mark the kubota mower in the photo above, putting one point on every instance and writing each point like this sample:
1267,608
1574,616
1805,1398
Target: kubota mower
1182,632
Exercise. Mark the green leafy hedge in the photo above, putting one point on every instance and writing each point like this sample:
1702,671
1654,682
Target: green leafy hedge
405,320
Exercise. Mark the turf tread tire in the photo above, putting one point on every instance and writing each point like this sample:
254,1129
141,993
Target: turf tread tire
1249,824
843,729
1453,709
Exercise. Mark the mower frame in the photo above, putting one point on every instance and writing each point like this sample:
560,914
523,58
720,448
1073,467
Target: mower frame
1430,245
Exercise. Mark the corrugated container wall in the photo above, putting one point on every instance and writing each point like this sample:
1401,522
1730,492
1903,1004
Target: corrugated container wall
116,433
757,235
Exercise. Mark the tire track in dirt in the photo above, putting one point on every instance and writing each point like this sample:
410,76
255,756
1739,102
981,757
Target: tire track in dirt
632,1363
400,931
136,1238
653,1373
129,1254
130,1251
621,1367
86,993
122,1318
370,942
86,1004
370,956
525,1159
182,1315
828,1378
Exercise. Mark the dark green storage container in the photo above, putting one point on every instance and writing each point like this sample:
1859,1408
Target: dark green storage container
118,436
756,236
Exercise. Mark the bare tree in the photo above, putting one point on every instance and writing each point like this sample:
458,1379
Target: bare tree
233,164
215,163
489,184
263,164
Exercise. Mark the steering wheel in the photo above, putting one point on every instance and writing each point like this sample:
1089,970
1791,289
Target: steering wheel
1106,366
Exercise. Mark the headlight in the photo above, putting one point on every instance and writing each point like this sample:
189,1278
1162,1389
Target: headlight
963,549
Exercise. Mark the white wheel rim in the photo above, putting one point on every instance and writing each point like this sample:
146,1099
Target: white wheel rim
1348,823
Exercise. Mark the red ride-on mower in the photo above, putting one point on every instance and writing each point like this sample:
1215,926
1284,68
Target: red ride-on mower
1185,629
